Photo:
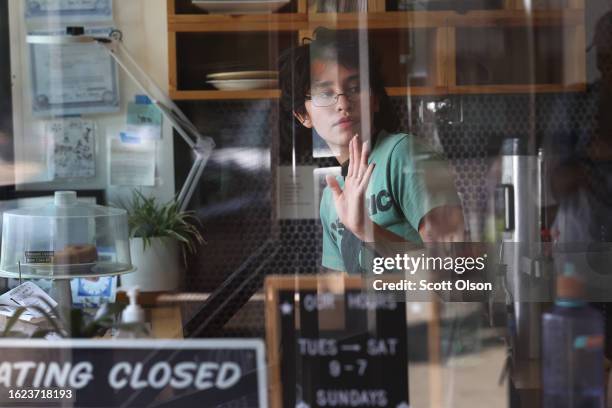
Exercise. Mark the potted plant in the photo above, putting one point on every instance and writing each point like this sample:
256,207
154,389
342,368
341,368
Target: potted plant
161,236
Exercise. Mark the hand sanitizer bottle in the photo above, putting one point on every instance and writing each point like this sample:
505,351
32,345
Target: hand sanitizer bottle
572,348
134,317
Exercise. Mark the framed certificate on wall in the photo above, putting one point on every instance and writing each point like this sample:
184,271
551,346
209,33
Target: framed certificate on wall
73,79
69,10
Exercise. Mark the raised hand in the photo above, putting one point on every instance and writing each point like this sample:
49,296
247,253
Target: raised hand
350,201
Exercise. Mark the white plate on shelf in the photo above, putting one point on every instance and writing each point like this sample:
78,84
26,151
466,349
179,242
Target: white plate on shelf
239,6
243,75
68,271
243,84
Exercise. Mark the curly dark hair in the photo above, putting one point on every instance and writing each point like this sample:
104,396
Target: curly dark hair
341,46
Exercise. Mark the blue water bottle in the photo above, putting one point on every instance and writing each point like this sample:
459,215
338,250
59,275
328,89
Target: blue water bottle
572,348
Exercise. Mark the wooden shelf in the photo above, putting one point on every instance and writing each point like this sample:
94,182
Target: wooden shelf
250,22
275,93
416,90
391,91
446,34
212,95
519,88
518,18
392,19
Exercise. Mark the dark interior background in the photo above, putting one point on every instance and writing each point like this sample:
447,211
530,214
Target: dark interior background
236,200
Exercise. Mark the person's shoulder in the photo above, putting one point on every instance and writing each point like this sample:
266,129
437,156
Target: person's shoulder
400,149
402,144
388,140
386,143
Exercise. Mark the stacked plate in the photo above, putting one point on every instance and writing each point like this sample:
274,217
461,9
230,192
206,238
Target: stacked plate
243,80
239,6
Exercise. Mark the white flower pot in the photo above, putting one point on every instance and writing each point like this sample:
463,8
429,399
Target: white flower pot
159,266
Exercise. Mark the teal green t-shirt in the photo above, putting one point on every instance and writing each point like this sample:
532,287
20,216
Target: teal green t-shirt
409,180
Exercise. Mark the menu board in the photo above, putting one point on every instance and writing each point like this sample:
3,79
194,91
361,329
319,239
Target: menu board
132,373
331,343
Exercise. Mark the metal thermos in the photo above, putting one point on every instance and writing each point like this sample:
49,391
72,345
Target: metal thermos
521,195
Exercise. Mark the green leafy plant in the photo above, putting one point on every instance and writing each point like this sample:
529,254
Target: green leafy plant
147,219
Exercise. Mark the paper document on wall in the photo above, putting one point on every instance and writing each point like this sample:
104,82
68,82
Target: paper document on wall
71,148
26,295
296,192
69,10
71,79
132,161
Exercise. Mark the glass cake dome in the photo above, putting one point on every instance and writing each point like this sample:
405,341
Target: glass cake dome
65,239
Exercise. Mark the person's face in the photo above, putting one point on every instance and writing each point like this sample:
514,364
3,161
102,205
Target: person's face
342,119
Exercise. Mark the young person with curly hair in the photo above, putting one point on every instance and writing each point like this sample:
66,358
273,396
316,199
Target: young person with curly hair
393,189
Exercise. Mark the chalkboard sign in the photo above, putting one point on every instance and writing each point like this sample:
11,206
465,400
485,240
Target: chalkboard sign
132,373
331,343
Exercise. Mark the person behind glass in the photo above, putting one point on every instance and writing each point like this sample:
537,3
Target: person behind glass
580,175
393,188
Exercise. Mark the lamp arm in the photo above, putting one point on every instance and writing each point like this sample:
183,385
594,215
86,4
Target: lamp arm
123,58
201,145
203,152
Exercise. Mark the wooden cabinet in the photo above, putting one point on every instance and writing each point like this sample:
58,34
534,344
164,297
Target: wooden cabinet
500,49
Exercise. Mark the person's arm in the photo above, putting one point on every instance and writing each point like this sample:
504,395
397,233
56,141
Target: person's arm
443,224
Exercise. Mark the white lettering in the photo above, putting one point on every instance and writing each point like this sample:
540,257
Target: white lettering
166,373
23,367
351,398
205,372
55,375
183,375
321,301
5,374
473,286
416,263
367,301
228,376
318,347
180,376
81,374
38,377
377,265
377,347
113,381
443,285
135,382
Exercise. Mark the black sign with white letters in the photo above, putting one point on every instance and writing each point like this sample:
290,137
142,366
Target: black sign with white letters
132,373
344,349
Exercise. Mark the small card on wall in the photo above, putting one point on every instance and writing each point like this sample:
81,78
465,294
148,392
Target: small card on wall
296,193
72,150
132,161
144,120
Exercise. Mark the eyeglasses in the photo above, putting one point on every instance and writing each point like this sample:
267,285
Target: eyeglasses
326,98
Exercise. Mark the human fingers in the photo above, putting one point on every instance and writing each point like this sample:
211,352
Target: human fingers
333,185
351,166
365,152
366,177
357,156
356,153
